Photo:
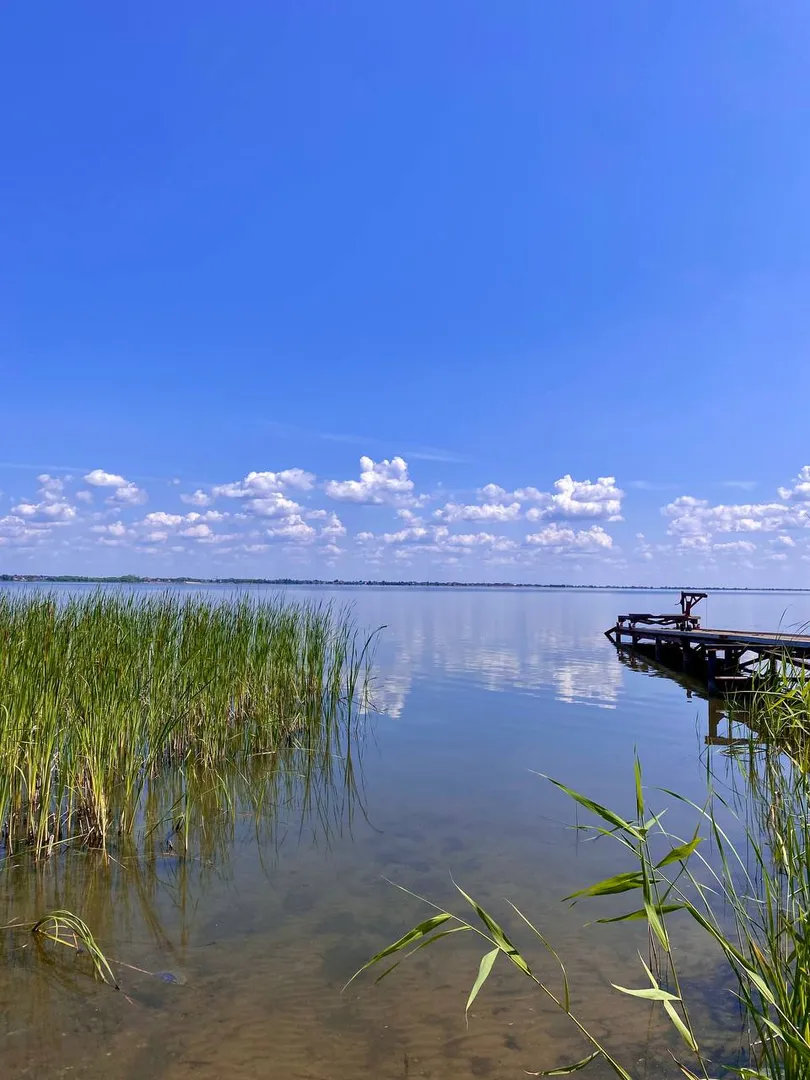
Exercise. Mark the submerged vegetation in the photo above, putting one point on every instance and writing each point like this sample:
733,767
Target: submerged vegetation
743,876
110,700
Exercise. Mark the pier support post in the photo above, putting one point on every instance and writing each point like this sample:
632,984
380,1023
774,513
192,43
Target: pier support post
711,670
685,657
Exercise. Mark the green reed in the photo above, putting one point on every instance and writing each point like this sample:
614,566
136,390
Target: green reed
103,693
777,711
751,898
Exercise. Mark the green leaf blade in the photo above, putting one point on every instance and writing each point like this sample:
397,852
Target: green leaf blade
650,993
566,1070
484,970
619,883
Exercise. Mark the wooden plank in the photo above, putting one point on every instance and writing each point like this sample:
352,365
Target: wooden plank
705,636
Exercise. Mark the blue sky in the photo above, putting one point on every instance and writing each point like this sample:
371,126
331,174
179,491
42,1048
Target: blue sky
544,268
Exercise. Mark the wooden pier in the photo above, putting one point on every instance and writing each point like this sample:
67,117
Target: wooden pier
723,660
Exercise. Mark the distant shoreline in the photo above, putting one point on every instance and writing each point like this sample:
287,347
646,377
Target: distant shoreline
132,579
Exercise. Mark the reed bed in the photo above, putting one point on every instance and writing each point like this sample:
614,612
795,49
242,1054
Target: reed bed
103,693
777,711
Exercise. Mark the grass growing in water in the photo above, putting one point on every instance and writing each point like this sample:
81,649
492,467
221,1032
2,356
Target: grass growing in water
102,693
68,930
751,898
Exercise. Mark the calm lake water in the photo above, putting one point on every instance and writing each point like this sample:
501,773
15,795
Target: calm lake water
476,691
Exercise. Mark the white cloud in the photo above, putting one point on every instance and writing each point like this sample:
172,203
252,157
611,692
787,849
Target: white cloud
469,541
84,496
160,517
273,504
561,539
19,532
380,482
126,493
413,534
258,484
600,500
196,498
197,532
408,515
688,515
800,488
99,478
117,528
577,499
209,515
51,487
174,521
333,528
698,518
491,511
55,513
293,528
735,545
493,493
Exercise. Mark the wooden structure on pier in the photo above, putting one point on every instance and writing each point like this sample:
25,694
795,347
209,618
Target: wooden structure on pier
723,660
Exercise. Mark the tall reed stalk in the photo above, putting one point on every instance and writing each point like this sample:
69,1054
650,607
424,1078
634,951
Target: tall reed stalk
102,693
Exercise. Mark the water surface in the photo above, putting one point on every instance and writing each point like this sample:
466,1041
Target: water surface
245,948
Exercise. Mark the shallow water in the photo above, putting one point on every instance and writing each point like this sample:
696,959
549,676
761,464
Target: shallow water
250,944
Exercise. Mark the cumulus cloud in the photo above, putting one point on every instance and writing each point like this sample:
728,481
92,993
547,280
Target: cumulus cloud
117,528
160,517
735,545
196,498
259,484
100,478
701,526
470,541
380,482
561,539
55,512
21,532
412,534
292,528
51,487
578,499
690,516
598,500
126,493
490,511
332,528
273,504
171,521
800,489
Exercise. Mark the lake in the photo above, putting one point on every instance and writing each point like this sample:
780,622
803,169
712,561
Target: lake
477,691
